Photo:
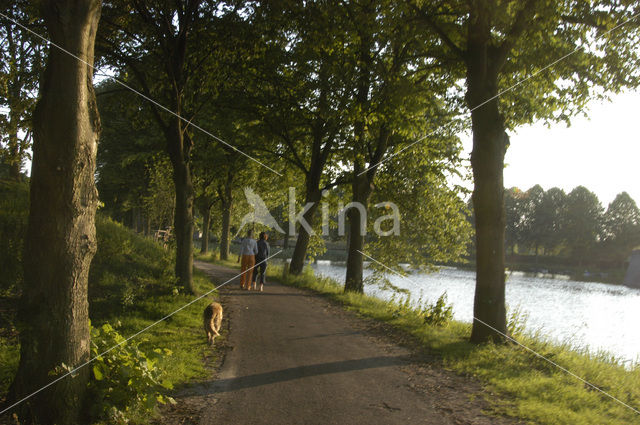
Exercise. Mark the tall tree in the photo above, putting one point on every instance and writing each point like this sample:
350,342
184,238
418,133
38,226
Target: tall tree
395,99
170,59
499,44
514,201
532,231
304,87
549,219
621,227
583,222
61,239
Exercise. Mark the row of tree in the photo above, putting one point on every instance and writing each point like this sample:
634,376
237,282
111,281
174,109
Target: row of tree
323,97
573,225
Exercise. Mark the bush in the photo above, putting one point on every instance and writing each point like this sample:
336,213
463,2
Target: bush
438,314
516,321
124,379
14,211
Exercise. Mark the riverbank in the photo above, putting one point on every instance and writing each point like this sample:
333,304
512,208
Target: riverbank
525,385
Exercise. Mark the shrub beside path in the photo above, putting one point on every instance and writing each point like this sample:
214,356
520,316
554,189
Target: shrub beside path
293,357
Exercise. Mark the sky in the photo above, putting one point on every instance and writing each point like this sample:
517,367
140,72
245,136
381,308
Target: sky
601,152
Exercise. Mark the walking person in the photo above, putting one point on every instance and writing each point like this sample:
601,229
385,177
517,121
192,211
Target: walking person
248,251
261,260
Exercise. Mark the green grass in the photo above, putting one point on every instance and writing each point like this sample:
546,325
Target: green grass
517,383
131,286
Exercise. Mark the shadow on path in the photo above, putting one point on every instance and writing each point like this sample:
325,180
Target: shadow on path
290,374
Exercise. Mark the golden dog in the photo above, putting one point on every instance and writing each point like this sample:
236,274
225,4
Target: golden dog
212,320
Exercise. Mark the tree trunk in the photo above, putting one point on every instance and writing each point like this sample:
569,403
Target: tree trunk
302,242
361,185
362,189
226,229
227,204
206,223
61,241
183,224
490,142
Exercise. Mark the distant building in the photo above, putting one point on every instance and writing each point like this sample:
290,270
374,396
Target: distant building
632,278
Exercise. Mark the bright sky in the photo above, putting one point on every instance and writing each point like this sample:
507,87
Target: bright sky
601,152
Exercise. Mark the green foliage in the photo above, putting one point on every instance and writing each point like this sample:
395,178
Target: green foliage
9,358
440,313
14,209
621,227
124,378
379,278
583,222
516,321
433,216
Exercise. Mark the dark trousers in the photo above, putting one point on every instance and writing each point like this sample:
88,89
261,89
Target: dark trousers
259,270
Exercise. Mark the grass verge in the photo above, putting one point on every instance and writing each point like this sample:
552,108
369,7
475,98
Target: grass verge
131,286
517,382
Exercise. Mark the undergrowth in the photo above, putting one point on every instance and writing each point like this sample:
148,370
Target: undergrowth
131,286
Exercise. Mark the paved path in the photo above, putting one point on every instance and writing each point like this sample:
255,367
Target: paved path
296,358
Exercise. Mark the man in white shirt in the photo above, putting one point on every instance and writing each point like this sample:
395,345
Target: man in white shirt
248,251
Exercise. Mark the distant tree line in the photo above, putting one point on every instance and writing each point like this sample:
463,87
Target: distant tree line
573,225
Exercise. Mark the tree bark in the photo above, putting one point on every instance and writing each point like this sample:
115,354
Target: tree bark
226,196
179,146
313,195
302,241
53,316
490,142
206,223
362,189
362,184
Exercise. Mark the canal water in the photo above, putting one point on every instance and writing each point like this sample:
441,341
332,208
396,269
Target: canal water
597,316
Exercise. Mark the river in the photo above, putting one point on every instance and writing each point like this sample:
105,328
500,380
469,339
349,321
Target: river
597,316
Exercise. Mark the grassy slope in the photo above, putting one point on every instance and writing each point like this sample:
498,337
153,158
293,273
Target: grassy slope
131,283
131,286
518,383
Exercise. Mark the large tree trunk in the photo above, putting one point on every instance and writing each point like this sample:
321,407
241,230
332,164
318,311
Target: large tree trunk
490,142
206,223
361,185
61,239
302,243
179,148
362,189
